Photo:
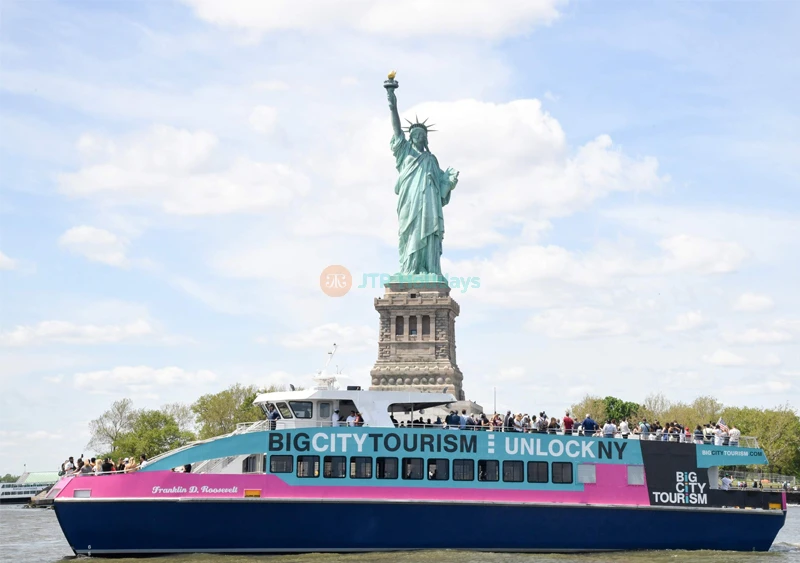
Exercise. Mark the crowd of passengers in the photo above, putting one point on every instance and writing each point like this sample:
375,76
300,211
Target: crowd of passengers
106,466
716,433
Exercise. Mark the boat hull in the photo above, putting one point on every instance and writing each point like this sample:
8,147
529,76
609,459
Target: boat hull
165,526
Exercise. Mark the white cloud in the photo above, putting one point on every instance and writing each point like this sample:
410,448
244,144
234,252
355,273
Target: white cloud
689,321
271,85
788,324
178,171
7,263
69,333
724,358
581,322
769,386
703,255
263,119
347,338
97,245
139,378
514,373
759,336
753,302
386,18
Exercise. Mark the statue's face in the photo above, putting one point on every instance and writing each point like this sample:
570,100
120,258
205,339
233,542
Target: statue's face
419,138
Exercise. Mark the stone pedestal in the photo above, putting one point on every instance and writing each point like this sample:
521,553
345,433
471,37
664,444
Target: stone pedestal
417,341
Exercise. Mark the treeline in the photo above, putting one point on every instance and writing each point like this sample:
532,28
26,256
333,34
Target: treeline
125,431
777,429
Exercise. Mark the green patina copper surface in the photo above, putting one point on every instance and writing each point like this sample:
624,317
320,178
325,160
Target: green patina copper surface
423,189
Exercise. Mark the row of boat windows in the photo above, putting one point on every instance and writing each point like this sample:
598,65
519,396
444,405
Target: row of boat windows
417,468
24,486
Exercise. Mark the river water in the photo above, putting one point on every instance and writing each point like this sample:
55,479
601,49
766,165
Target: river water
33,535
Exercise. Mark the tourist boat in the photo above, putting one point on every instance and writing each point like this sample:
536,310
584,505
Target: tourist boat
299,484
26,487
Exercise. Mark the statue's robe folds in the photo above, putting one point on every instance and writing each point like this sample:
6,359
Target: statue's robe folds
424,189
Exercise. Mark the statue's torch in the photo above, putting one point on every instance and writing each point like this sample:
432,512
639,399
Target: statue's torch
391,83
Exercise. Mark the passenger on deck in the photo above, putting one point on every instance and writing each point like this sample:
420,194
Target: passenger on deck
351,420
335,418
568,424
272,416
734,435
609,429
624,429
508,422
589,426
718,436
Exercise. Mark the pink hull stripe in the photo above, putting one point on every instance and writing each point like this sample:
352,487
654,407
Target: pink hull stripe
612,488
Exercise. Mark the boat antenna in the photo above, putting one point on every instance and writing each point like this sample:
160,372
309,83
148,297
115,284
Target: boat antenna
323,378
330,355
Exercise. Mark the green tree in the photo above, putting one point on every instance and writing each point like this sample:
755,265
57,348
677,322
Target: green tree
777,430
109,426
590,404
182,414
152,432
9,478
619,409
219,413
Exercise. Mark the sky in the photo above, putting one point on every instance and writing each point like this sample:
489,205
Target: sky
176,175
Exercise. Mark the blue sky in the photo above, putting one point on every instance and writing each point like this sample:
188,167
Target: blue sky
175,176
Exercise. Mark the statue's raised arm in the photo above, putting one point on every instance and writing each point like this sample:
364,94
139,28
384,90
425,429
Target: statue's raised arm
391,85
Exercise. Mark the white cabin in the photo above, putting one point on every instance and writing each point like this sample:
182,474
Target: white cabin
315,407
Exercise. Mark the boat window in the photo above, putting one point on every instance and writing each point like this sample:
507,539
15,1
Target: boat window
280,464
302,409
463,470
587,473
284,410
361,468
636,475
488,470
251,464
562,472
438,469
386,468
325,411
333,467
537,472
412,468
513,471
308,466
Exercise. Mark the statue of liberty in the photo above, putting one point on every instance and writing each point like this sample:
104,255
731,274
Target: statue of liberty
423,189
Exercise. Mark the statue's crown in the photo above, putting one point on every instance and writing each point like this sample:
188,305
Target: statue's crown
421,125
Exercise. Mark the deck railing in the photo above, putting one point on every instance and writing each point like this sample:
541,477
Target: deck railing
281,424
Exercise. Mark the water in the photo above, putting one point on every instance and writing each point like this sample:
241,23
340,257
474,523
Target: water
33,535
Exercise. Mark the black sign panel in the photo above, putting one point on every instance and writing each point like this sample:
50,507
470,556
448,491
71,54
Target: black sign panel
673,478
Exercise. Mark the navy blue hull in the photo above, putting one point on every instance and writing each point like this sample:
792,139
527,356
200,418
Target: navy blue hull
259,526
